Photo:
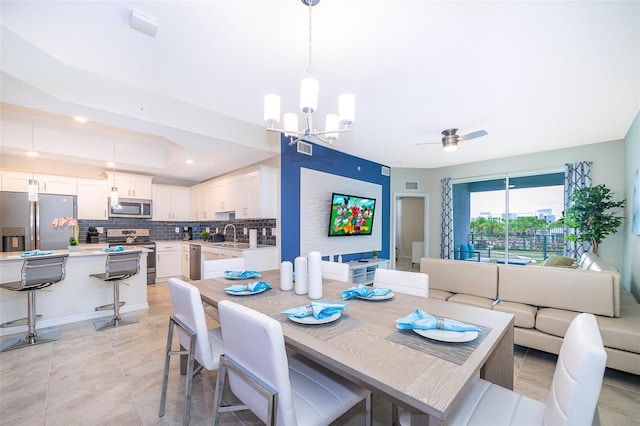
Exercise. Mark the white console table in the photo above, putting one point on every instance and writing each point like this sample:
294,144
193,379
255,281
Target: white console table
363,272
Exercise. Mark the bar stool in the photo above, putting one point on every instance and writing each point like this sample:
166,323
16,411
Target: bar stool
118,266
37,273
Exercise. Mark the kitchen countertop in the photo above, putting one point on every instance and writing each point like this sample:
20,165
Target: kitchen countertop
225,245
85,250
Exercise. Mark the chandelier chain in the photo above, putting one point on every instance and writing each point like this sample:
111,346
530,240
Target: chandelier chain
310,66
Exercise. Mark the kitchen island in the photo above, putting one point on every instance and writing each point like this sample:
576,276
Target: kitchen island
74,298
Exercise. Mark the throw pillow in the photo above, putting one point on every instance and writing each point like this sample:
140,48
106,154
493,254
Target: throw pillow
464,252
560,262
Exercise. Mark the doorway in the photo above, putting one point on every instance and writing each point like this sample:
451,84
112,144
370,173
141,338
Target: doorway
410,231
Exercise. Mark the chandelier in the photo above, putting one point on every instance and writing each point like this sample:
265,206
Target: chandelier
335,123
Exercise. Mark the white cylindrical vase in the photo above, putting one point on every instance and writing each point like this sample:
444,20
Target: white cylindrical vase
253,238
286,276
302,283
314,267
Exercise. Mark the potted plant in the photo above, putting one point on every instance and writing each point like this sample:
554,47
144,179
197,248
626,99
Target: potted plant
591,215
69,222
205,235
374,254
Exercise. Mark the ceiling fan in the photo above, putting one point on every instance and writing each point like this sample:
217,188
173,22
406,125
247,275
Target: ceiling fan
450,138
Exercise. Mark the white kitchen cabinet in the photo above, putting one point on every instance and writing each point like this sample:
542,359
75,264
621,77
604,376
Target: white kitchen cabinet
224,194
131,186
93,195
168,260
202,201
186,266
171,203
47,184
215,259
256,194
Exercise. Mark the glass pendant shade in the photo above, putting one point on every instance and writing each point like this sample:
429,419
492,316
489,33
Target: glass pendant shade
33,190
114,197
309,95
347,108
450,146
290,123
332,125
272,107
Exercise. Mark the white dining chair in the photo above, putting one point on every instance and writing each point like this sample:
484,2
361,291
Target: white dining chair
196,341
279,389
574,393
414,283
335,271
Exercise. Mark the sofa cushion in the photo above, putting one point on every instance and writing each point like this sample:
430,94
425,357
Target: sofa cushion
464,252
524,315
620,333
439,294
560,262
467,299
571,289
473,278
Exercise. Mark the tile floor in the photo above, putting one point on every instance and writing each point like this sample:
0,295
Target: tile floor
114,377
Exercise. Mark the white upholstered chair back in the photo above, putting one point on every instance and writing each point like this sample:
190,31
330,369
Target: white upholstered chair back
187,307
335,271
573,398
415,283
255,341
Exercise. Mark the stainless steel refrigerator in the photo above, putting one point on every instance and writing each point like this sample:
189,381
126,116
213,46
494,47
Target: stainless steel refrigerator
26,225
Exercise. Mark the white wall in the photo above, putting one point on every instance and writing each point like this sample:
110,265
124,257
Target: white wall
607,159
631,273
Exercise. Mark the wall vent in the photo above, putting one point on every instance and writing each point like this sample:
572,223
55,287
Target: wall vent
410,186
385,171
305,148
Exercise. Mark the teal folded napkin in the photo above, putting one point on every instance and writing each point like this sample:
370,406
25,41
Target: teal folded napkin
420,320
251,287
364,291
112,249
35,253
319,310
242,274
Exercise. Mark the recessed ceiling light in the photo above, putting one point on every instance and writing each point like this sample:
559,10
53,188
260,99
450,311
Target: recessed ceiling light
80,119
111,164
188,161
32,153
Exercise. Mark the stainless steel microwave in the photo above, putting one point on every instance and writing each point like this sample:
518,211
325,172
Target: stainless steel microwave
133,208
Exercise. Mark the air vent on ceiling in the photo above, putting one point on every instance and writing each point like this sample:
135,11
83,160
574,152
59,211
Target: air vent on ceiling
410,186
385,171
305,148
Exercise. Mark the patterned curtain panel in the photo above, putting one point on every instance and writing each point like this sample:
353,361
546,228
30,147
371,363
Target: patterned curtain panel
446,225
576,176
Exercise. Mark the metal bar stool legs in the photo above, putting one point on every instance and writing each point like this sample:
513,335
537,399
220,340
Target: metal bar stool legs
116,320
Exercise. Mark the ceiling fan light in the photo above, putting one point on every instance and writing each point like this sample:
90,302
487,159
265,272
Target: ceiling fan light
309,95
332,125
271,108
290,124
346,108
450,146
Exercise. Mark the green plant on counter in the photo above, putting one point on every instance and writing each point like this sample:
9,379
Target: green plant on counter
205,235
374,254
73,241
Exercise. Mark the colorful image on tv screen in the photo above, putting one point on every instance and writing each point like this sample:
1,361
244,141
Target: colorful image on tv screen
351,215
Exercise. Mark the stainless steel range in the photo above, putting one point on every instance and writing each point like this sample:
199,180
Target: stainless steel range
136,237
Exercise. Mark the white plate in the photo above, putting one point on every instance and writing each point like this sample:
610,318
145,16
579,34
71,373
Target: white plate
312,320
382,297
248,277
448,336
246,292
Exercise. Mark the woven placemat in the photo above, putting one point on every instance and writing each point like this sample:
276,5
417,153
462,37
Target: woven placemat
450,351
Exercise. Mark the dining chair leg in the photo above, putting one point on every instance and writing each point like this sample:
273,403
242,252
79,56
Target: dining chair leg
394,414
167,361
368,421
217,401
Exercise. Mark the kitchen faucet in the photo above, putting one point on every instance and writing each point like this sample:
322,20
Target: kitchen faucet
224,231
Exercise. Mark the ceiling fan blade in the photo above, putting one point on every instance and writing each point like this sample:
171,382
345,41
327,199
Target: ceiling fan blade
473,135
429,143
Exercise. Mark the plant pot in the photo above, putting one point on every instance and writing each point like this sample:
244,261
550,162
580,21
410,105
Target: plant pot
74,248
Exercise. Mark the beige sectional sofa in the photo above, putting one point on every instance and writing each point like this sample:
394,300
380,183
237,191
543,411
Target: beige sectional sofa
544,300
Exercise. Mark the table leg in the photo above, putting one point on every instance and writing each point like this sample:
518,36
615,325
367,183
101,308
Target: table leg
499,367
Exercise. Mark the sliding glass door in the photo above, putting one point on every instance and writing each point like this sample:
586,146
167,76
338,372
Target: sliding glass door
509,218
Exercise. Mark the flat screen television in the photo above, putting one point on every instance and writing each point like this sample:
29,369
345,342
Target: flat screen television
351,215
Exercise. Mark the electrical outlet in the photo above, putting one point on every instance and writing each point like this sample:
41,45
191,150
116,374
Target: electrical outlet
207,229
100,230
244,231
264,232
177,230
217,231
273,231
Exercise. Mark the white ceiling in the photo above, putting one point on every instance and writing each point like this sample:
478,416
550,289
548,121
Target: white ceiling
536,75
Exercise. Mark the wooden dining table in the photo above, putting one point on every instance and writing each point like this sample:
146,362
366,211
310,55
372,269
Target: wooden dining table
364,345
